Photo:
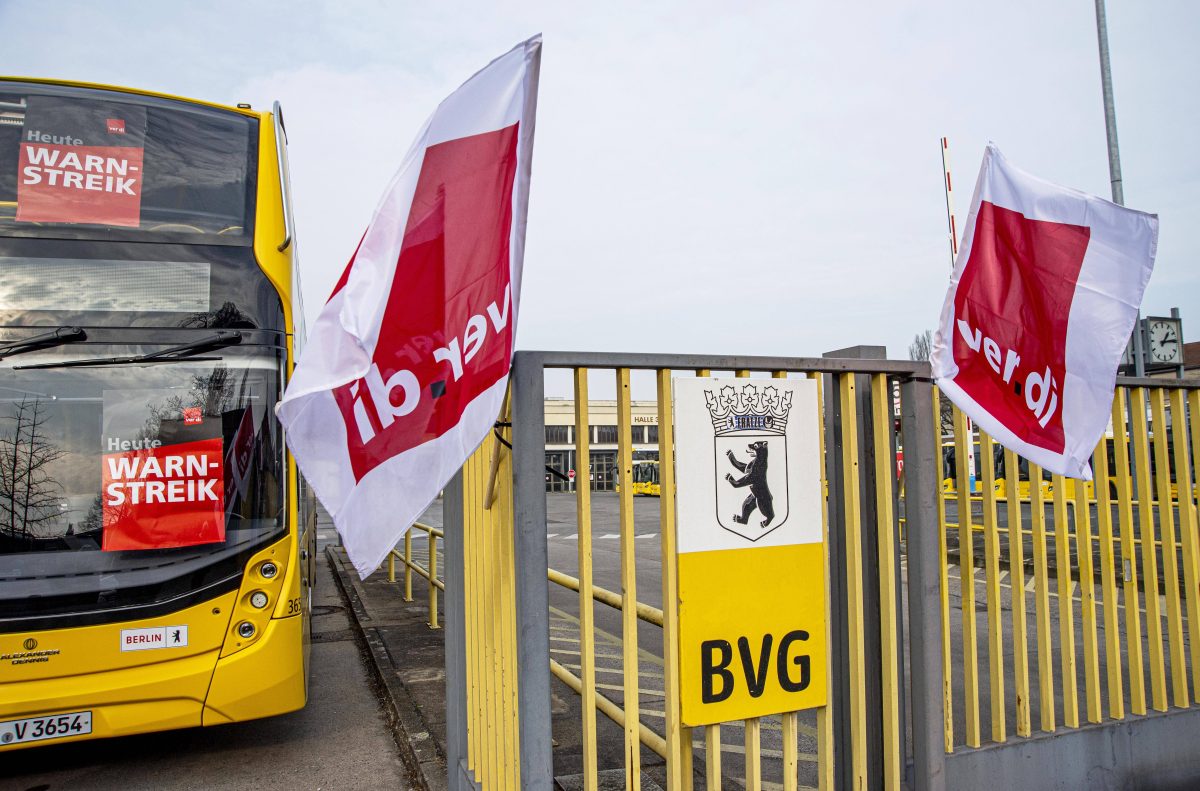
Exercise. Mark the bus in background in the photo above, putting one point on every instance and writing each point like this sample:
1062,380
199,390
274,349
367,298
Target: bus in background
950,469
645,478
1001,476
1106,478
156,544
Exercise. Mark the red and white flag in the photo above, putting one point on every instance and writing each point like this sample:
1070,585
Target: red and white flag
240,458
407,364
1044,295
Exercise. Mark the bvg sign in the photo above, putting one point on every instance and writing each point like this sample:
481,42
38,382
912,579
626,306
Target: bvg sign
717,681
751,553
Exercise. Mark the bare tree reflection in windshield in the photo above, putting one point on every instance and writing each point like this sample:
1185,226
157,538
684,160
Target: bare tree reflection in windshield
30,497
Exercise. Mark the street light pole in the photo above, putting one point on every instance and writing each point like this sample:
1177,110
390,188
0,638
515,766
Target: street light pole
1110,111
1114,158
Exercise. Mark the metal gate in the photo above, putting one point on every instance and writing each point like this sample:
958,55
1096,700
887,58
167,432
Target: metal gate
567,670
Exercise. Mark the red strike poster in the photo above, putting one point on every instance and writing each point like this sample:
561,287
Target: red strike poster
164,479
81,161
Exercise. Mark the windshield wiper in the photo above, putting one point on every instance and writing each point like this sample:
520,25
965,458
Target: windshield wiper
184,351
47,340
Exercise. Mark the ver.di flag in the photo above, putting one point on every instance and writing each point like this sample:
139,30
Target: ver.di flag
1044,295
407,364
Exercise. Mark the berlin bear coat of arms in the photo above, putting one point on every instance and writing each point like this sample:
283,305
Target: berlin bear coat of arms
750,457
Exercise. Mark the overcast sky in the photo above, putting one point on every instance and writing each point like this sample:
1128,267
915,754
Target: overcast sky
751,178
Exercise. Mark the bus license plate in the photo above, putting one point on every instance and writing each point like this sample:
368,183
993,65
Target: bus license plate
35,729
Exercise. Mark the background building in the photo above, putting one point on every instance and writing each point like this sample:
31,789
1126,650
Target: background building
1191,360
602,420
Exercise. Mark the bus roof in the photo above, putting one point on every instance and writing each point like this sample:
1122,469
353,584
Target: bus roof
135,91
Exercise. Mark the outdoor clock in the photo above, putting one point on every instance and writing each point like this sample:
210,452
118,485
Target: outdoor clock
1164,341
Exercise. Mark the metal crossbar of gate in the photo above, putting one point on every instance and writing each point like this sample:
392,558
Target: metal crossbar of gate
562,638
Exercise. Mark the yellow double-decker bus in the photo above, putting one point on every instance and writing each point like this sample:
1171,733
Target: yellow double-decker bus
156,544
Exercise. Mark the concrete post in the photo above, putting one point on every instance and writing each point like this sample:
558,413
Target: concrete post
922,473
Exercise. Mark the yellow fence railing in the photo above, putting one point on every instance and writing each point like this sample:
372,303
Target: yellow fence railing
624,674
1117,565
1060,605
411,566
490,618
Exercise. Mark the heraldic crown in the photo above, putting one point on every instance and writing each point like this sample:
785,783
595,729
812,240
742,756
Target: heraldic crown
749,408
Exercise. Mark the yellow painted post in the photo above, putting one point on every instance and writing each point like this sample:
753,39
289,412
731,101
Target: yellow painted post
1041,598
483,757
509,620
825,763
491,724
885,473
679,739
1066,605
1187,529
1154,636
944,579
433,590
790,720
991,556
506,649
1166,521
475,643
499,647
753,755
489,494
481,531
629,637
493,605
712,757
392,563
470,611
471,557
487,759
854,581
1087,597
791,757
966,567
408,565
1129,565
587,637
494,614
1112,635
1016,558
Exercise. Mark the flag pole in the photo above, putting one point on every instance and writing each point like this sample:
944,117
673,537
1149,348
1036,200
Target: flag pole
1114,158
948,184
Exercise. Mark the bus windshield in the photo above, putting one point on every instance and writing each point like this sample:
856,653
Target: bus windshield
645,472
128,486
96,164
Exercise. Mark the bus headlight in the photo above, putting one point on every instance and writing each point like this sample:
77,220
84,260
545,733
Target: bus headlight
268,570
258,600
245,630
